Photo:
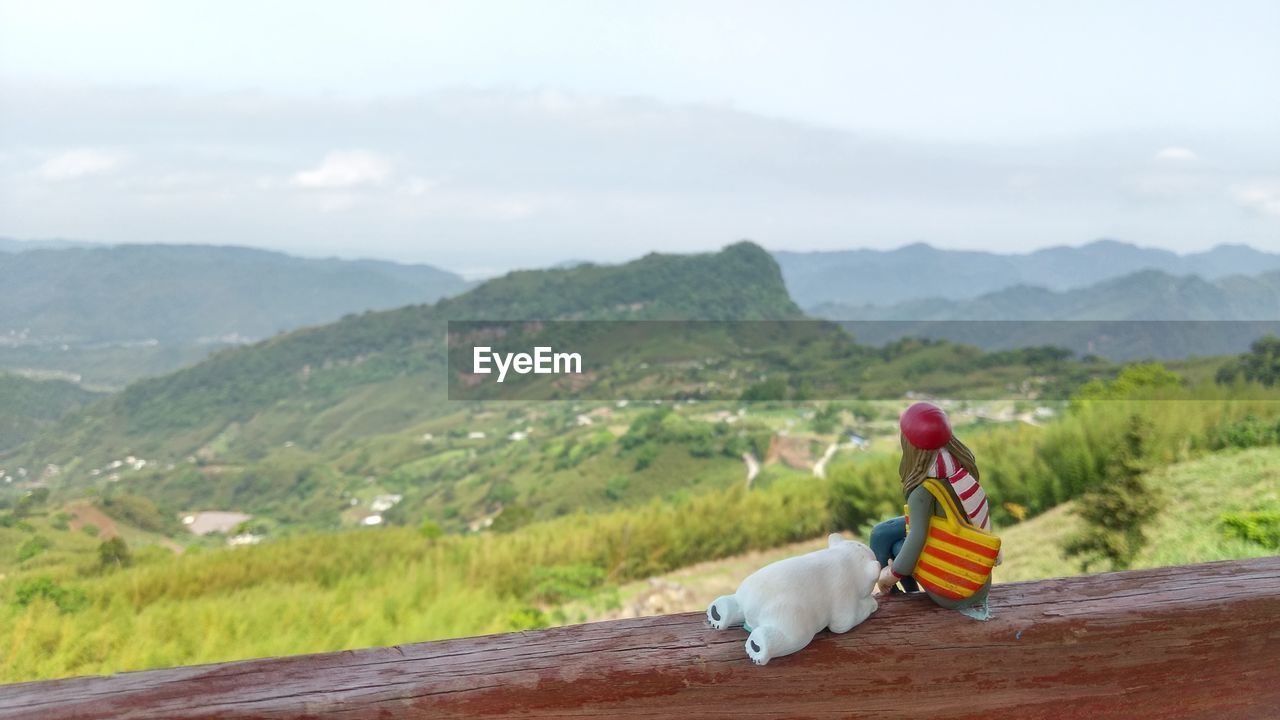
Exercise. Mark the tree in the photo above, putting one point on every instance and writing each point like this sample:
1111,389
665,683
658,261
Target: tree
31,500
772,390
825,419
1117,512
430,529
114,553
1261,364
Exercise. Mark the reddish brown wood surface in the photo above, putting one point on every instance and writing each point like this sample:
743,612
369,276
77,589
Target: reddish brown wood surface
1200,641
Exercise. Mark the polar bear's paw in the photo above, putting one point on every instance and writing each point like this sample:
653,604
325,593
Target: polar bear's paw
780,637
724,612
758,647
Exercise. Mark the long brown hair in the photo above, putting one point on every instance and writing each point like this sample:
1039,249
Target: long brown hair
917,464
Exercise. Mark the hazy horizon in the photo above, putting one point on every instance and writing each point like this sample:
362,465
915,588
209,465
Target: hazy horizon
486,136
59,242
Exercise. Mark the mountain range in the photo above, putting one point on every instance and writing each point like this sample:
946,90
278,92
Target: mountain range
296,426
11,245
1142,295
914,272
189,293
305,380
1147,314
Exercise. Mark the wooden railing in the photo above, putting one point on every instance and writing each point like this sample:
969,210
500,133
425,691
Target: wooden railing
1199,641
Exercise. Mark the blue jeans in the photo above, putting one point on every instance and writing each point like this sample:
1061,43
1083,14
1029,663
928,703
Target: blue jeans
886,542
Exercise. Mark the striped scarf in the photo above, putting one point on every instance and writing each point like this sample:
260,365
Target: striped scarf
972,499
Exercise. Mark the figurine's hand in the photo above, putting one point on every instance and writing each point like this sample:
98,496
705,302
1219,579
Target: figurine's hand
887,579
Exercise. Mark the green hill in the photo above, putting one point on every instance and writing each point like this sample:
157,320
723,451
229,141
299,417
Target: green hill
1197,496
185,293
114,313
32,405
311,428
310,371
299,426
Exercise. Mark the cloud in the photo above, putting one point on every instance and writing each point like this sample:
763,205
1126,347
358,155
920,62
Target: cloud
1168,185
1176,154
342,169
1260,197
462,177
417,186
79,163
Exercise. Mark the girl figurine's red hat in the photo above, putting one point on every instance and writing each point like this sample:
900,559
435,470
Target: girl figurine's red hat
925,426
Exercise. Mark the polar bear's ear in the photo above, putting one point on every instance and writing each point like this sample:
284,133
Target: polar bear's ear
834,539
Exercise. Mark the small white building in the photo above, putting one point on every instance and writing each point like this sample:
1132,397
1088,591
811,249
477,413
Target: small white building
383,503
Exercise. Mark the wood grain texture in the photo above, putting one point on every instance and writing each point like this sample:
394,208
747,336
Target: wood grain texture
1199,641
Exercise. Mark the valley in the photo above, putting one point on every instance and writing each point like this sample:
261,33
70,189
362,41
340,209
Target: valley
331,475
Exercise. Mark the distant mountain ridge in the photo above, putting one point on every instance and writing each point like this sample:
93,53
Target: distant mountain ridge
11,245
188,293
1144,295
1148,314
919,271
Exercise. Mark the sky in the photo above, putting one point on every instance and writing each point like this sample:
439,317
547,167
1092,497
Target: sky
481,136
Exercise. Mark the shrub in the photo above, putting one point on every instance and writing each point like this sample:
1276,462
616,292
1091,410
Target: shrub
645,456
512,517
559,583
616,487
771,390
66,600
61,521
1116,514
1262,528
429,529
1245,433
825,419
114,553
33,547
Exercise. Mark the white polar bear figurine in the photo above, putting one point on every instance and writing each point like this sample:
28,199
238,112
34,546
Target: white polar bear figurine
786,603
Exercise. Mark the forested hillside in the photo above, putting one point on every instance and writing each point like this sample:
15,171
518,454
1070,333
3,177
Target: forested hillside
28,405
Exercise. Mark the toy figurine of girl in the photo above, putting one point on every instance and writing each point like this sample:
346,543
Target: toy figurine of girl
944,542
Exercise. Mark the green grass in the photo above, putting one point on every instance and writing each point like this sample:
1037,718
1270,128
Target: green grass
357,589
1188,528
326,592
70,553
